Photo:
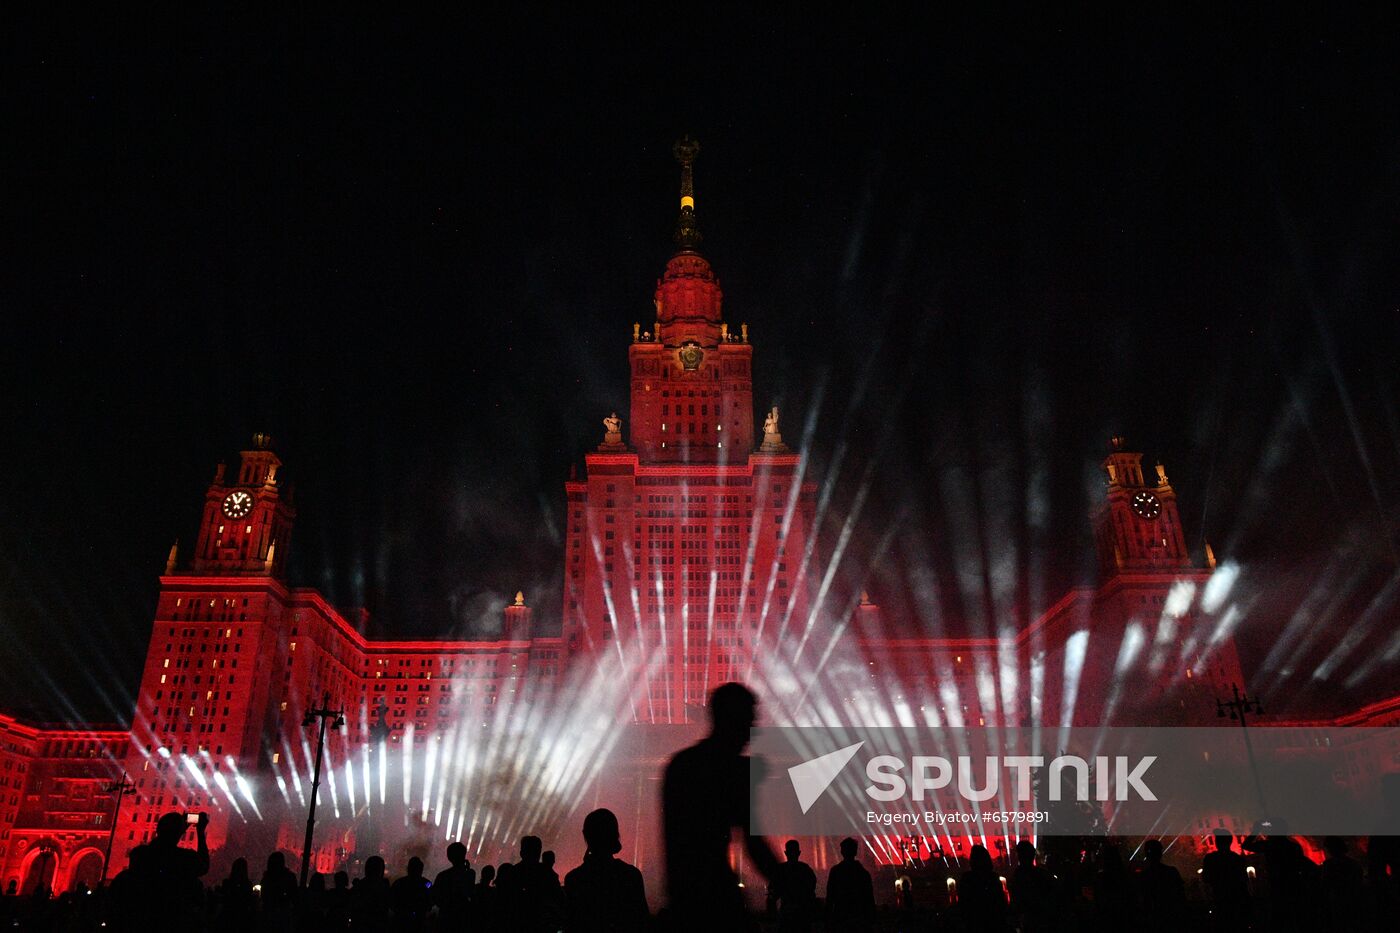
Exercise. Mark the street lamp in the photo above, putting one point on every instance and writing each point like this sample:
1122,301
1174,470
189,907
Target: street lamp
317,716
1240,707
118,789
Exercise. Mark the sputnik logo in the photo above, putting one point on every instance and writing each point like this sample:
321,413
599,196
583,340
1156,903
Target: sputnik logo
811,778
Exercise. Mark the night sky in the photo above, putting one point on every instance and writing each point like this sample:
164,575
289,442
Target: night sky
968,254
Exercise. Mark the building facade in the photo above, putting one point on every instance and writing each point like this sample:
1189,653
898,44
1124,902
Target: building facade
58,798
688,562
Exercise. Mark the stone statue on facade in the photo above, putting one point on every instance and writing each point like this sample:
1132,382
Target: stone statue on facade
612,433
772,439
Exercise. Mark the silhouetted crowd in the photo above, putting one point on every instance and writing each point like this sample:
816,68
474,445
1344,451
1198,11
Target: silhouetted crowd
1068,886
162,888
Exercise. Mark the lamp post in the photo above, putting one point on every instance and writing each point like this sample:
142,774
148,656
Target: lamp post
118,789
317,716
1239,707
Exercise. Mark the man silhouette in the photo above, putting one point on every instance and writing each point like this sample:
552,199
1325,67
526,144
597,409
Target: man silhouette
161,883
277,891
1161,893
548,859
850,895
604,894
453,888
795,889
1290,878
705,796
1343,887
535,898
1032,891
168,857
1223,872
410,899
338,902
369,901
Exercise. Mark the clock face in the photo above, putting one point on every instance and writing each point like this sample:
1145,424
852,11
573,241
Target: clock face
238,504
1146,505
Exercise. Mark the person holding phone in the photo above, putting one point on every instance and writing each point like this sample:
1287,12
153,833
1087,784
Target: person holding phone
161,885
173,859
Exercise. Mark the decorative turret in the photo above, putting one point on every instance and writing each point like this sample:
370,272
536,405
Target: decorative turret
516,626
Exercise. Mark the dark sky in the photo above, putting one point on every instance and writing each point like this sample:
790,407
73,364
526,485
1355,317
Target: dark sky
968,253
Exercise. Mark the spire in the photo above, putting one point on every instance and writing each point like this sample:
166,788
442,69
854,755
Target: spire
687,234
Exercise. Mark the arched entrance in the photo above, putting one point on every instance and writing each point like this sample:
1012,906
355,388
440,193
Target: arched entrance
39,868
85,869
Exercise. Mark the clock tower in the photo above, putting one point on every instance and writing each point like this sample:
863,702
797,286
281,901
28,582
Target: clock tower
247,523
1137,526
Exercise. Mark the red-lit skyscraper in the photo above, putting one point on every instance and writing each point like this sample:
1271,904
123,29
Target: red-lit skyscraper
684,547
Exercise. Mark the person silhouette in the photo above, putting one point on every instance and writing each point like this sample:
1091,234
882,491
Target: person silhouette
1161,894
548,859
486,901
795,890
369,901
453,888
704,797
338,902
980,896
850,894
238,906
169,858
1032,891
1383,851
409,899
178,869
1113,891
535,900
310,910
1343,887
279,889
1291,878
604,894
505,900
1223,872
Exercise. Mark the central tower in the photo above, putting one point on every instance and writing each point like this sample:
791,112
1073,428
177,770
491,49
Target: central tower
692,389
685,548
